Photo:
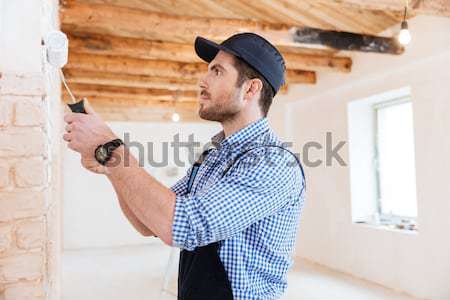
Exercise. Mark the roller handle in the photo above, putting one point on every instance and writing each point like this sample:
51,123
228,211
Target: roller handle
77,107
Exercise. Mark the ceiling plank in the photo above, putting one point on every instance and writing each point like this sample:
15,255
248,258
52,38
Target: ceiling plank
159,68
294,11
344,20
156,50
243,8
127,22
199,8
426,7
132,23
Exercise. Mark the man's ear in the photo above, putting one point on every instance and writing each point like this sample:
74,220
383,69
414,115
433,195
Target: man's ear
254,86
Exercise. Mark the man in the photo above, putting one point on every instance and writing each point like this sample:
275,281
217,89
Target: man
236,212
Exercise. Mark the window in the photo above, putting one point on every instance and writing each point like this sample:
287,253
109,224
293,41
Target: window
395,167
382,160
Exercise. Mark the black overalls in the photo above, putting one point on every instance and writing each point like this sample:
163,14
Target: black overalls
201,274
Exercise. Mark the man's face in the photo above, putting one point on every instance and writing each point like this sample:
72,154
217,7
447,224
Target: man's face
220,99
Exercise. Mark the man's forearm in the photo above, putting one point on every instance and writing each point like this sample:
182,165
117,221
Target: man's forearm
150,201
138,225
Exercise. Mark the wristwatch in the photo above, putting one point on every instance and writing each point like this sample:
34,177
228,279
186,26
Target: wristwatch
104,152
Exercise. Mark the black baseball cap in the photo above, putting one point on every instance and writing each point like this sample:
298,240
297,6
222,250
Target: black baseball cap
255,50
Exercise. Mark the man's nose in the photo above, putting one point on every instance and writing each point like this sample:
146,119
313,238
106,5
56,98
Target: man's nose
202,82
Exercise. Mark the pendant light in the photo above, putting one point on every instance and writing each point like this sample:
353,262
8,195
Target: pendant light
404,36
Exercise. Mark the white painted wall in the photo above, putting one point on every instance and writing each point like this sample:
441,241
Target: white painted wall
91,213
418,264
20,43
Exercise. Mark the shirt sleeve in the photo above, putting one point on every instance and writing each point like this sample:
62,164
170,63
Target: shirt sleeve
254,188
180,187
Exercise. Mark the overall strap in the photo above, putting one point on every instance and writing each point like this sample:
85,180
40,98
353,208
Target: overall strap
195,168
202,157
263,146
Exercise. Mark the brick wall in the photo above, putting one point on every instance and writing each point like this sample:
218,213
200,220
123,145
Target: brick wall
24,187
30,141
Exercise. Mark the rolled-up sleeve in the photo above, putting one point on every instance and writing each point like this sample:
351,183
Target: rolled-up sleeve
250,191
180,187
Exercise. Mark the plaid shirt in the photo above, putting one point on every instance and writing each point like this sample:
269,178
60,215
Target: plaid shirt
253,210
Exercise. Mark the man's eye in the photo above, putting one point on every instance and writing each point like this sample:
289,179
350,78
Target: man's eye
217,71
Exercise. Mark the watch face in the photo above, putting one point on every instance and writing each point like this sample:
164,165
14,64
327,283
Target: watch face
101,154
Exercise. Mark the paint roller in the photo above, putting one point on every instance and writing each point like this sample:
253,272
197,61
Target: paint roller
57,46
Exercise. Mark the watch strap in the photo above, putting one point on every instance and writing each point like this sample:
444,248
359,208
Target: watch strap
113,145
109,147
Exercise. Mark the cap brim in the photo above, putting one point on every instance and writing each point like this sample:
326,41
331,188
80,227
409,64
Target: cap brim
207,49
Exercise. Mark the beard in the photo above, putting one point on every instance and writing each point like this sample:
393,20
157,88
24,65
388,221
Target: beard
220,111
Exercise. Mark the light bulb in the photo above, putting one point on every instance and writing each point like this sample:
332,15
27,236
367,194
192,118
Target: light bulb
175,117
404,36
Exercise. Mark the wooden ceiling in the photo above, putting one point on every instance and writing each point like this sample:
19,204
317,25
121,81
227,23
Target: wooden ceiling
134,59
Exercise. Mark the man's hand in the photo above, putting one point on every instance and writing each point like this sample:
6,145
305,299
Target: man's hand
84,133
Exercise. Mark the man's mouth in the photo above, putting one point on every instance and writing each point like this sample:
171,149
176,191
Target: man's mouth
204,95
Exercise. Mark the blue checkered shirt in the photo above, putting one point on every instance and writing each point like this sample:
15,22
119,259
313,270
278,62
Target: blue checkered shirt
252,210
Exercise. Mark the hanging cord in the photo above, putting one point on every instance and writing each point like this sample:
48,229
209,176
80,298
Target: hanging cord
66,86
406,9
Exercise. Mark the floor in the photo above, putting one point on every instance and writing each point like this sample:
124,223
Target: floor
136,273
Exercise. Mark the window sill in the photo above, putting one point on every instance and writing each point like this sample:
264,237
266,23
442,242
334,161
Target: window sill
388,227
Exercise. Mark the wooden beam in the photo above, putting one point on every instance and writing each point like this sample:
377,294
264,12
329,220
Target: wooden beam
157,50
300,77
138,48
117,109
317,62
141,94
134,66
348,41
129,80
158,68
426,7
135,81
122,101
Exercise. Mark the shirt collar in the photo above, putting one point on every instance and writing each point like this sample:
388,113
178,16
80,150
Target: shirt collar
242,136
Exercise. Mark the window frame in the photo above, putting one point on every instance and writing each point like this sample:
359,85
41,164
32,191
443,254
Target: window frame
387,219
